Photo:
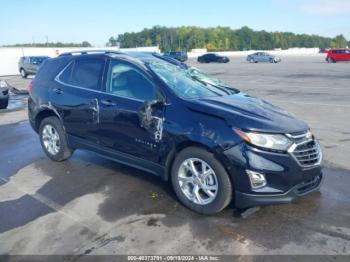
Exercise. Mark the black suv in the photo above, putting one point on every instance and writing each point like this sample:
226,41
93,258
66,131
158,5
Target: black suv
178,55
29,65
214,143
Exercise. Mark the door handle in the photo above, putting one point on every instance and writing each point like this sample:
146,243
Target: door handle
108,102
58,91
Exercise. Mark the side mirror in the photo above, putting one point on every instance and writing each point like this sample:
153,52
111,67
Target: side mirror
154,103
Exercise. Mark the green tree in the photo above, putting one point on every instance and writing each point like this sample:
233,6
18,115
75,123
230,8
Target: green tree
339,41
222,39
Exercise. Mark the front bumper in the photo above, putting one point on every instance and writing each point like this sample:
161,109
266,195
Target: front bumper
245,200
286,179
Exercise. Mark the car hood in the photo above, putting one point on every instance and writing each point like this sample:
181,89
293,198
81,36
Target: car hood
250,113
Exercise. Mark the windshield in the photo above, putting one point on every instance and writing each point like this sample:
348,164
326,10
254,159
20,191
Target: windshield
190,83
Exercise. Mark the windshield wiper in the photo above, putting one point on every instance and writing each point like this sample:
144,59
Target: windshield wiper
205,85
229,89
226,89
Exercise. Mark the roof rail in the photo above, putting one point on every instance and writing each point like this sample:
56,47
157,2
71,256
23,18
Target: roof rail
86,52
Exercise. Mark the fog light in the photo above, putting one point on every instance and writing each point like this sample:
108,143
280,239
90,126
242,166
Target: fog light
257,180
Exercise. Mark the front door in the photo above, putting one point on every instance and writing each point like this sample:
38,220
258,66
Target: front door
121,129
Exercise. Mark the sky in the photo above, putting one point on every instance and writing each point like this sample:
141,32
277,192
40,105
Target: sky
27,21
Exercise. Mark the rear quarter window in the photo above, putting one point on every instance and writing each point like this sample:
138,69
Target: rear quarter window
50,68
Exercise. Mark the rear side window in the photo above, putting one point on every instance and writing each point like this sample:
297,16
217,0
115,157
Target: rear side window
84,73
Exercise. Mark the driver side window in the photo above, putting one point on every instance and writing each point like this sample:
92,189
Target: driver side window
126,80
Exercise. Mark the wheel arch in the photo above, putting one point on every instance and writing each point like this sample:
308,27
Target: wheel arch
47,112
189,143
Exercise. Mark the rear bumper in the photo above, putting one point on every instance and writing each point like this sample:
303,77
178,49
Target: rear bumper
246,200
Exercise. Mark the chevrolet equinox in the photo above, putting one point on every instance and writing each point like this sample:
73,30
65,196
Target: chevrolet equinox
214,143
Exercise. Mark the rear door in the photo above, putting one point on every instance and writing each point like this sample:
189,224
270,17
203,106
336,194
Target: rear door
33,66
266,57
75,96
337,55
27,65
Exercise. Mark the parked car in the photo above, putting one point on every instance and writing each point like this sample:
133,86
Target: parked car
338,55
178,55
4,95
263,57
214,143
211,57
28,65
169,59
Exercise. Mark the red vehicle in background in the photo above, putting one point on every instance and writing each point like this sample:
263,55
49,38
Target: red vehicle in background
338,54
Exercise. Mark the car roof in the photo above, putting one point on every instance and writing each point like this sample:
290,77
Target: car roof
111,53
136,57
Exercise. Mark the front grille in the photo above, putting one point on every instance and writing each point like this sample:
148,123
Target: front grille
307,153
309,184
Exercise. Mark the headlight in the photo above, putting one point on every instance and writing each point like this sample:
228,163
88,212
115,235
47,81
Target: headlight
268,141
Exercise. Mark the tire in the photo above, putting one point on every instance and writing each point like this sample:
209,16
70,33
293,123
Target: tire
4,104
251,61
23,73
223,193
63,151
330,60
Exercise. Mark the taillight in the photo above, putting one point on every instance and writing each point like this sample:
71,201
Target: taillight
30,87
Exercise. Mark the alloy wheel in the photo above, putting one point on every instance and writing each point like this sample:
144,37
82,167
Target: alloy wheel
198,181
51,139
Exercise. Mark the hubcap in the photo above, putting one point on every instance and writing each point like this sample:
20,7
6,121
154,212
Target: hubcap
198,181
51,139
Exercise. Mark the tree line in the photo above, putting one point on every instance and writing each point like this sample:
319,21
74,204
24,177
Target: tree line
221,39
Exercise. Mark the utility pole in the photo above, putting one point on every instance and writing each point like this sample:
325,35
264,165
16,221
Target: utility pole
47,40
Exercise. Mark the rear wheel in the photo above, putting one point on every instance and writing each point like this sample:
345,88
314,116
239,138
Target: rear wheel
23,73
200,181
4,104
53,139
330,60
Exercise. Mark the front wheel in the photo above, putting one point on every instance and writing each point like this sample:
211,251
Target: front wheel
4,104
53,139
200,181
